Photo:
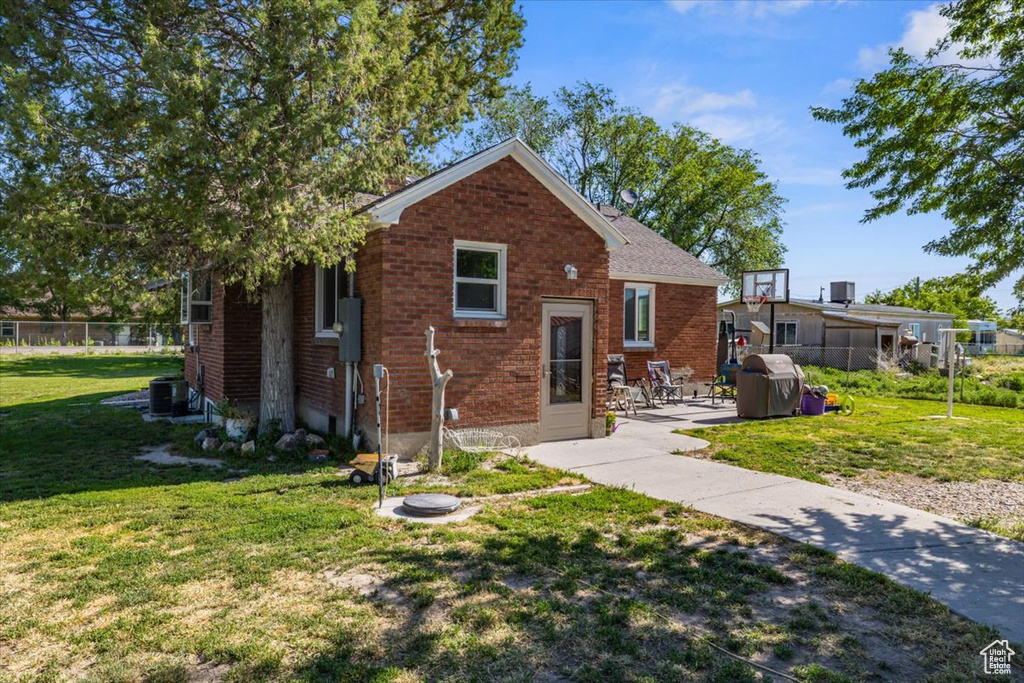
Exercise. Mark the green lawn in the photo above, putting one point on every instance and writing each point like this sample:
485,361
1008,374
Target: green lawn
115,570
883,435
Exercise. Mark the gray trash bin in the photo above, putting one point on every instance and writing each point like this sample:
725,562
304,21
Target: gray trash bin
768,385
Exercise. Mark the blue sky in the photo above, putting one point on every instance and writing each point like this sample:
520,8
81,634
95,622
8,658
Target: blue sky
747,72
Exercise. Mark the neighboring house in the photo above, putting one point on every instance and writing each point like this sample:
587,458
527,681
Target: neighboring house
528,286
842,323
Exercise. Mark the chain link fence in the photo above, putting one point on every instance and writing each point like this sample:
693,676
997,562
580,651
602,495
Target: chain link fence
43,336
995,349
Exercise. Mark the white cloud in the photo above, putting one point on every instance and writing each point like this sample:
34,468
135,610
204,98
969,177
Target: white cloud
747,9
678,99
742,130
924,29
840,86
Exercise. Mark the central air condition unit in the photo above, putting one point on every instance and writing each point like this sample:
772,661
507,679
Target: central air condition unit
842,293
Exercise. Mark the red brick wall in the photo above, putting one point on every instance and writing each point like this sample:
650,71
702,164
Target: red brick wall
228,348
684,329
496,368
313,388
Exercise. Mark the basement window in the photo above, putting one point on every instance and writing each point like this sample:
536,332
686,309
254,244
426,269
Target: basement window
331,285
196,297
638,315
479,287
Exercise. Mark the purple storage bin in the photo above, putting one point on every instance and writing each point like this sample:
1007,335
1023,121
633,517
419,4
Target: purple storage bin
812,405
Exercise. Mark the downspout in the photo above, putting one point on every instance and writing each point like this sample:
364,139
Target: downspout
350,376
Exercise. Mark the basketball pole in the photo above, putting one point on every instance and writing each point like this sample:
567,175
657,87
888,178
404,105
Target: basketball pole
771,326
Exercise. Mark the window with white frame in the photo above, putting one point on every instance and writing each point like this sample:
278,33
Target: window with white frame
479,273
785,333
196,297
638,315
915,330
331,285
7,328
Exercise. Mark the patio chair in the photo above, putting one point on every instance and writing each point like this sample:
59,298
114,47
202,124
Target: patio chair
724,385
662,384
621,393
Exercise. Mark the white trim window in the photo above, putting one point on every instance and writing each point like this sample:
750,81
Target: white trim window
915,330
197,297
331,286
479,279
7,329
638,315
785,333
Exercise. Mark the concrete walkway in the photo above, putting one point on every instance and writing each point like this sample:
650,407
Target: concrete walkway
977,574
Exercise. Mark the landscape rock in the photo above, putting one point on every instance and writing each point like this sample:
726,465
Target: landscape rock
211,443
290,441
229,446
205,434
301,433
249,447
314,440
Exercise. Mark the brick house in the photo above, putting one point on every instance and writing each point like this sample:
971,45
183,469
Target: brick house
527,285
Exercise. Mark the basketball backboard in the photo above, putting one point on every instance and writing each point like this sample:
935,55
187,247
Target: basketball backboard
773,285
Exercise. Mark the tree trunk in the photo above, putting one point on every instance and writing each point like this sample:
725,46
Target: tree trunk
277,374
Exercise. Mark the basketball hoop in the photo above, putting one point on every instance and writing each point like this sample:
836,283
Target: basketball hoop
754,302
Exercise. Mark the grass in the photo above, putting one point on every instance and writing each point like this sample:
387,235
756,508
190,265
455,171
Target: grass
883,435
989,381
114,570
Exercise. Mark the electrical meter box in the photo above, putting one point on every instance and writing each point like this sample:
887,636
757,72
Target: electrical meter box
350,337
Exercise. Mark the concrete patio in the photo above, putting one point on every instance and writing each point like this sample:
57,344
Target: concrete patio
976,573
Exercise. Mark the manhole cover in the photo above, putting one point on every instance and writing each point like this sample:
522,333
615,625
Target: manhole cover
430,504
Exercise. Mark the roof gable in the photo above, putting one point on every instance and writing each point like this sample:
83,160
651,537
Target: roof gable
388,210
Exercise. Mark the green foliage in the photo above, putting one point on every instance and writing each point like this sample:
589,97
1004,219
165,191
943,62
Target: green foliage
707,197
231,133
946,133
461,462
978,388
959,295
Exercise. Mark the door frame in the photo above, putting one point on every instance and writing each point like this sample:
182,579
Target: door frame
588,309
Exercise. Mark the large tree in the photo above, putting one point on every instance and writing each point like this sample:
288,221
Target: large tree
707,197
234,133
960,295
946,133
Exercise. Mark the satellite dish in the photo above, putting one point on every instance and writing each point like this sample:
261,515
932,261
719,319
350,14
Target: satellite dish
629,196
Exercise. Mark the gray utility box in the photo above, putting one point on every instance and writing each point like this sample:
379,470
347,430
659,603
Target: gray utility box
350,339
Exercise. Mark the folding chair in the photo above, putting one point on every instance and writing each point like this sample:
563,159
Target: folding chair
662,385
621,393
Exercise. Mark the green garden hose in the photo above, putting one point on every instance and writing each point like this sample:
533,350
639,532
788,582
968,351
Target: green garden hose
846,405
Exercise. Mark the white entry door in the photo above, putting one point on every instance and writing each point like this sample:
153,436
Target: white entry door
566,371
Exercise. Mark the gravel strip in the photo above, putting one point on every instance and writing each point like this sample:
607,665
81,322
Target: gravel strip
135,397
963,500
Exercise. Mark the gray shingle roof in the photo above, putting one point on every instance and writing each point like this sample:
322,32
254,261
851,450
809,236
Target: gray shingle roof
864,319
650,254
867,308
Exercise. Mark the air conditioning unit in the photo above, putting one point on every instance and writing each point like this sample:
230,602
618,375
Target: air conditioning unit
842,293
